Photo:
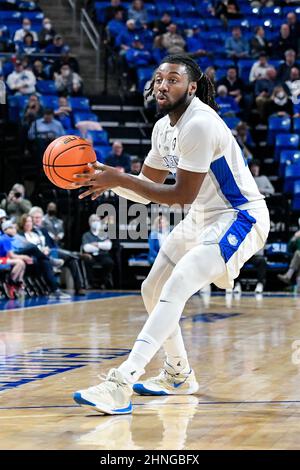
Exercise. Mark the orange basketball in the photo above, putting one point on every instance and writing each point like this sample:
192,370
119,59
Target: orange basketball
66,156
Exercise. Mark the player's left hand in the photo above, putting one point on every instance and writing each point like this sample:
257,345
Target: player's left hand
101,178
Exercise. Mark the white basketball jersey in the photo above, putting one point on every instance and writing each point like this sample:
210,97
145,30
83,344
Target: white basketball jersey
201,142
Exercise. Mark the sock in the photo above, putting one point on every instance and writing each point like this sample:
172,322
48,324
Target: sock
176,353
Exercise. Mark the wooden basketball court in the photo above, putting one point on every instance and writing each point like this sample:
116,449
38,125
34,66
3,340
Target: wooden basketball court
242,349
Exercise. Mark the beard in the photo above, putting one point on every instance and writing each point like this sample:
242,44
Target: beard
173,106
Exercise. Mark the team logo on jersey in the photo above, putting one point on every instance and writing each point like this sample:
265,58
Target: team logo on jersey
174,143
232,240
171,161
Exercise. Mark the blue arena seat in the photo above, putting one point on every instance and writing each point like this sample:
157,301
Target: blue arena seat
102,152
79,103
46,87
231,122
85,117
8,17
285,142
49,101
98,137
144,74
291,174
296,196
288,157
277,124
296,125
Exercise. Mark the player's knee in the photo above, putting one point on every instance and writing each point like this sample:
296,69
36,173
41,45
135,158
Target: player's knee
176,286
21,264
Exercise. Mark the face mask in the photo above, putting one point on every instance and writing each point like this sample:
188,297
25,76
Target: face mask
65,73
26,27
47,26
280,100
95,226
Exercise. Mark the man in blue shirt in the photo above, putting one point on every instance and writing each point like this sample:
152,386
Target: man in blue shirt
47,128
236,46
118,158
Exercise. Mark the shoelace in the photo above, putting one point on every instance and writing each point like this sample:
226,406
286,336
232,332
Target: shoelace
108,383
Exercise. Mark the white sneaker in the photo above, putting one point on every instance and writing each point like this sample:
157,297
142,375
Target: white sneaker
259,288
110,397
168,382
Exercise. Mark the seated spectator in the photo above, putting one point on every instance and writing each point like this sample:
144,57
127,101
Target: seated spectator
294,26
21,81
228,107
258,44
259,69
243,138
42,264
173,41
13,284
65,59
236,47
16,204
294,267
118,158
292,85
33,111
280,103
53,225
38,70
98,245
57,46
235,85
159,232
136,166
110,10
136,56
263,90
196,43
57,255
211,73
160,26
138,13
46,34
284,42
45,130
6,44
26,28
284,70
3,218
28,46
115,26
126,36
64,112
263,183
68,82
226,9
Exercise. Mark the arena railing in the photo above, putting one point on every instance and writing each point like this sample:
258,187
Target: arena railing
73,6
87,27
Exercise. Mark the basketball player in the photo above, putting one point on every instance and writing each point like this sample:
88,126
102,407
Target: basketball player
227,224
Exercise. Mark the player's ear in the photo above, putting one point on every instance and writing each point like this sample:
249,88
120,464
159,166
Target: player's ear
192,88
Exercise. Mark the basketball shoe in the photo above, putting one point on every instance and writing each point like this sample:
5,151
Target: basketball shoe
112,397
168,382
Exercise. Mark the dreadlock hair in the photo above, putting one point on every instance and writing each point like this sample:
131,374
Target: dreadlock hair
205,89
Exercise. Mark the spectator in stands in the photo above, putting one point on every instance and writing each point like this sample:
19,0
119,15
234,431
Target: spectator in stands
118,158
58,256
115,26
16,204
126,37
136,166
292,85
294,26
259,69
3,217
284,70
26,28
53,225
13,285
236,47
258,44
159,232
45,130
38,70
233,83
57,46
173,41
280,103
138,13
284,42
65,59
263,183
6,44
294,267
68,82
196,43
228,107
33,111
226,9
160,26
263,90
46,34
114,7
64,112
21,81
42,262
96,243
28,46
211,73
243,138
136,56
